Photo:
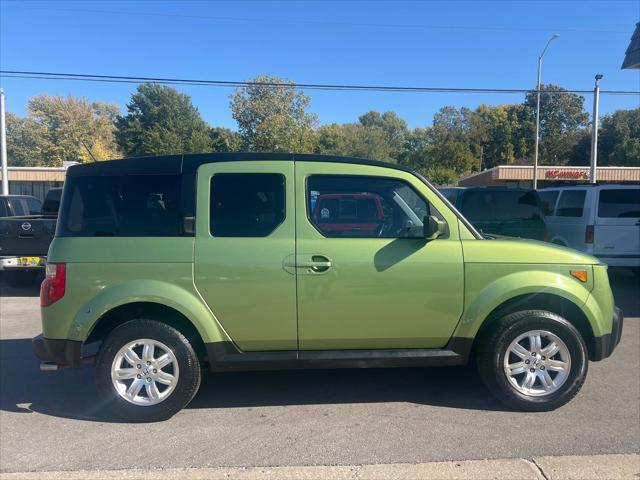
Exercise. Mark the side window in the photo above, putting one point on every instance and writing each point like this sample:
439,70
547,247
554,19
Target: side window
571,203
246,204
365,207
34,206
122,206
548,200
619,203
3,209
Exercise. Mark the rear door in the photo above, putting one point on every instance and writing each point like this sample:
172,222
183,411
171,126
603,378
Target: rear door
245,232
617,225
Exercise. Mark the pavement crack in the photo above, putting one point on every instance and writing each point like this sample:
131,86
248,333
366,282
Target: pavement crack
538,468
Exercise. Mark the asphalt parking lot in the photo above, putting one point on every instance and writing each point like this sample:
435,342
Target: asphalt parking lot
53,421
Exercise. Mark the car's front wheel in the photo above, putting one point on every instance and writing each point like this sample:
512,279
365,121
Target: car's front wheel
146,371
533,360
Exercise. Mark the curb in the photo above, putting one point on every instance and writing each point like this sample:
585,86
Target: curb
614,467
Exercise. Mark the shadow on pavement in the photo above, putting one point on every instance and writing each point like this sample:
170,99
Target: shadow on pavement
70,393
32,290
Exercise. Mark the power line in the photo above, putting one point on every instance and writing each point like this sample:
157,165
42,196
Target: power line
321,22
309,86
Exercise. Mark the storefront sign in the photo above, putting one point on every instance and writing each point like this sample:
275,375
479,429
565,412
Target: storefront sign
567,174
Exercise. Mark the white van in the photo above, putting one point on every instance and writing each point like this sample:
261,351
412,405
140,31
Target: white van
602,220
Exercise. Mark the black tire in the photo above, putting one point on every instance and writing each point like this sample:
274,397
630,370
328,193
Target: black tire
188,364
493,347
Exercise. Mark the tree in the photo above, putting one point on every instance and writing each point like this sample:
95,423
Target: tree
500,135
562,117
619,139
160,120
61,129
354,140
224,140
393,128
25,141
273,118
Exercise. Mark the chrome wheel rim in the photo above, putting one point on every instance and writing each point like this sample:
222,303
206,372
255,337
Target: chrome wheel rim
145,372
537,363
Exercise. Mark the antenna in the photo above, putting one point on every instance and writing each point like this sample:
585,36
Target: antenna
88,150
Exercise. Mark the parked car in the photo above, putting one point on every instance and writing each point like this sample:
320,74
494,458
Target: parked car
172,265
27,227
514,212
344,214
601,220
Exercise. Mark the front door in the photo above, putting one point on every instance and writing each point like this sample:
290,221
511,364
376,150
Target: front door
245,229
366,276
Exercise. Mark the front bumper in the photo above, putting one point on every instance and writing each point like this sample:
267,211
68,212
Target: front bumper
62,352
606,344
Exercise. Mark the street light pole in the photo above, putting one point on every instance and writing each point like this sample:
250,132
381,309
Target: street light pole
594,131
535,160
3,146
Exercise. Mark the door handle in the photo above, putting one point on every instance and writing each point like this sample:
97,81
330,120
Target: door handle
312,263
318,264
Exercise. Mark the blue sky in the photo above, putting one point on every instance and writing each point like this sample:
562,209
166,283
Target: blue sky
442,44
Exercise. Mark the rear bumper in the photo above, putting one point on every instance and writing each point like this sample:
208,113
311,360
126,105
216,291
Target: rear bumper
13,263
59,351
606,344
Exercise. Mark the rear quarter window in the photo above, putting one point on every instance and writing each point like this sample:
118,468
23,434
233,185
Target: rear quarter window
619,203
571,203
122,206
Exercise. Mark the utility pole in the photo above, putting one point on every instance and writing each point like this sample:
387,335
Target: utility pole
535,160
594,131
3,146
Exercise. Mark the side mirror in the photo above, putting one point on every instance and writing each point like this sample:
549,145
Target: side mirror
434,227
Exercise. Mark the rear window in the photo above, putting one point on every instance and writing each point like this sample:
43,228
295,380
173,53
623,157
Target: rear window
548,200
571,203
619,203
122,206
34,206
500,205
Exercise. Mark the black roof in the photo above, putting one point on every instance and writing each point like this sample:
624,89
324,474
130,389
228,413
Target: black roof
189,163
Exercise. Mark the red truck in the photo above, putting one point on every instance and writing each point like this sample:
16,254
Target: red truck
349,213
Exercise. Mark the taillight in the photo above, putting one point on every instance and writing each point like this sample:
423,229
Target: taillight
588,234
546,235
53,286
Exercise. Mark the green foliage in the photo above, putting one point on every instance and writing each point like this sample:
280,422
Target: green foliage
273,119
375,136
619,139
562,117
501,135
61,129
25,141
160,120
224,140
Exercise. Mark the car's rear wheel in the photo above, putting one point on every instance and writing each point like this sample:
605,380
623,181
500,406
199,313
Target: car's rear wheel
533,360
146,371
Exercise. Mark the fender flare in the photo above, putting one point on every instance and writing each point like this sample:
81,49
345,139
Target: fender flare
500,291
187,302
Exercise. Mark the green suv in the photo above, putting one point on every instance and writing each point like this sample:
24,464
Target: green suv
177,264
